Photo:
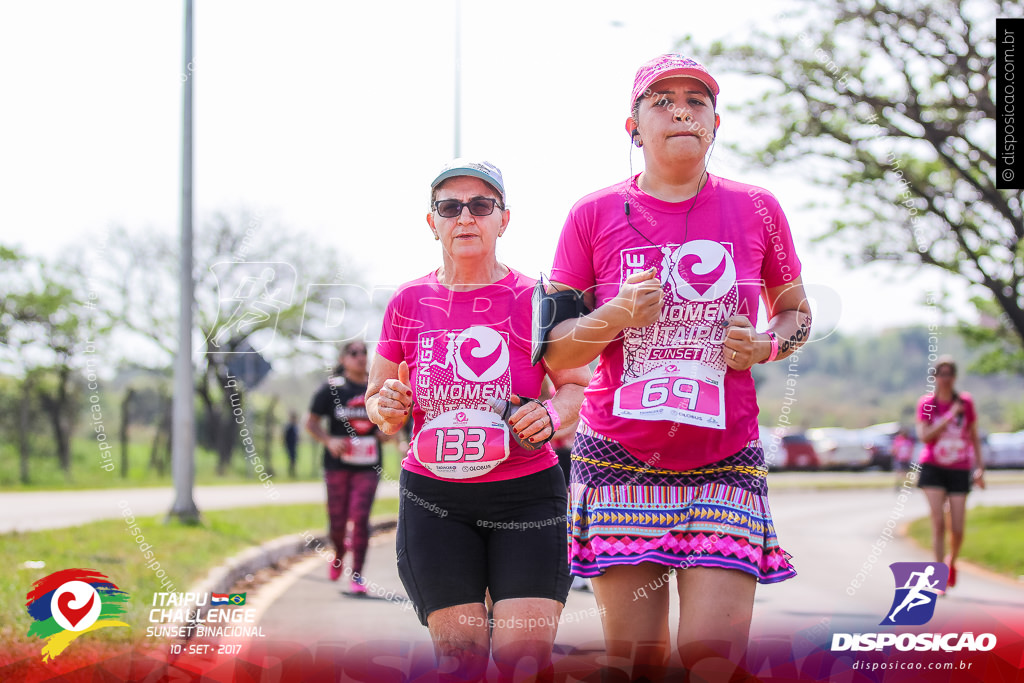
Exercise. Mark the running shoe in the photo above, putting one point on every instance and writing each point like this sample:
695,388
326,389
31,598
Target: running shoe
952,576
334,570
357,587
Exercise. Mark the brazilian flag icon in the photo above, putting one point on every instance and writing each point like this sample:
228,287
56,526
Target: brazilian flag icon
237,599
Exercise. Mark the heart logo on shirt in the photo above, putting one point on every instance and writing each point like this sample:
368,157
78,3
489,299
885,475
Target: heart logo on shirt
704,271
689,269
482,354
479,361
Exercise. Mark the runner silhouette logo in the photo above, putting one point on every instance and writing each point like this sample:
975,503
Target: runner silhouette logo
918,585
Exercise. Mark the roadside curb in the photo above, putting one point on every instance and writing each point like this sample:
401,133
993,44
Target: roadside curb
220,579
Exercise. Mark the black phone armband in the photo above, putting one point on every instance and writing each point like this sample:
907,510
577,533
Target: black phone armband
548,311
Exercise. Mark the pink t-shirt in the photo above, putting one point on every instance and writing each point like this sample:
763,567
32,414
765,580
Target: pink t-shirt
953,447
664,391
462,348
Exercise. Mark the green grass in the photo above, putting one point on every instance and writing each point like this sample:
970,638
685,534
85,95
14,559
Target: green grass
385,506
87,473
185,553
987,538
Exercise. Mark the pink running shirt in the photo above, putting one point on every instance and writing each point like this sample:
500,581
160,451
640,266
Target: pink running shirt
463,347
664,391
954,447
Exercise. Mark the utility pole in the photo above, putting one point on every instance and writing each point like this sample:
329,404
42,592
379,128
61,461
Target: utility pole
458,78
183,464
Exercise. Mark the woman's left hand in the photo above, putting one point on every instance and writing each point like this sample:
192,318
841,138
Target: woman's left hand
742,349
530,420
979,478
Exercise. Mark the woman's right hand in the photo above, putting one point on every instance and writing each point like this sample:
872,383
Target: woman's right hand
958,407
639,299
394,400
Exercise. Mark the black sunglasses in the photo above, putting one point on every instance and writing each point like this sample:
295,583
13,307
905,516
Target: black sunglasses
478,206
356,352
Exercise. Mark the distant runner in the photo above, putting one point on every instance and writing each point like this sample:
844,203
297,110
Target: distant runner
948,426
352,450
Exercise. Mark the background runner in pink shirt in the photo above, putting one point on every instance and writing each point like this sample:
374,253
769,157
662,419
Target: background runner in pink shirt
947,425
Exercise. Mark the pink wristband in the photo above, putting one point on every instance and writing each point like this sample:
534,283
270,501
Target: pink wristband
556,421
775,347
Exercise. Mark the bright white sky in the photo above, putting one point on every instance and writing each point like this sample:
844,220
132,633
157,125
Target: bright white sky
334,117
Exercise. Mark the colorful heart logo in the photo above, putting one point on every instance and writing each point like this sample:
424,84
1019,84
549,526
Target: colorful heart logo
69,603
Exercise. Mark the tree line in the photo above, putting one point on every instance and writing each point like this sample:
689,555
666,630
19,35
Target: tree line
72,324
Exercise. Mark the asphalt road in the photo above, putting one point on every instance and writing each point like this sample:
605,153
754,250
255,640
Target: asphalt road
33,510
830,535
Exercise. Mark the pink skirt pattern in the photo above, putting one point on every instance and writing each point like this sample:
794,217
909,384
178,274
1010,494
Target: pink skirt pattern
624,511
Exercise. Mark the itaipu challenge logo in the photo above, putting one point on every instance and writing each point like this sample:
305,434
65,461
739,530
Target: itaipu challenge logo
71,603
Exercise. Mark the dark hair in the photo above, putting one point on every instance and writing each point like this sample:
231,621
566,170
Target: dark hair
339,369
943,361
347,346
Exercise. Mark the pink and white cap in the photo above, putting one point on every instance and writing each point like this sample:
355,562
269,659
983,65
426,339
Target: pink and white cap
667,66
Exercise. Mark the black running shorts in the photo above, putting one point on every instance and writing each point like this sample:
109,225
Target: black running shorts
953,480
456,539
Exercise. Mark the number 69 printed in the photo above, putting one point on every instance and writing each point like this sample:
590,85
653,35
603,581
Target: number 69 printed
656,392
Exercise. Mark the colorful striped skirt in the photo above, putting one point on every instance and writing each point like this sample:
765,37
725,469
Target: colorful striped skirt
625,511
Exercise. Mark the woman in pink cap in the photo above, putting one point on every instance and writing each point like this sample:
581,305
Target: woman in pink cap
668,476
483,500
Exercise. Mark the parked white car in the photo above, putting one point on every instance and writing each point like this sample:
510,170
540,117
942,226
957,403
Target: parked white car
1004,450
878,440
840,448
